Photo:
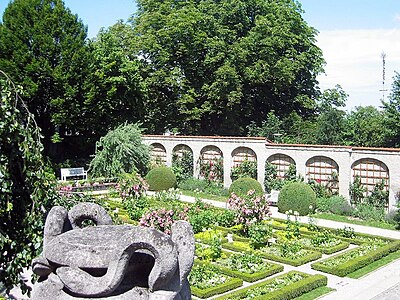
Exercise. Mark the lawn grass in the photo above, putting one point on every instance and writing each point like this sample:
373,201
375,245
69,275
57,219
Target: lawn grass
203,195
375,265
314,294
345,219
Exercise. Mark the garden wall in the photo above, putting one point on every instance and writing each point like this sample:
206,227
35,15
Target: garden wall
316,162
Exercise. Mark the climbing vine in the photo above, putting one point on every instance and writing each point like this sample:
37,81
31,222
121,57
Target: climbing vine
26,189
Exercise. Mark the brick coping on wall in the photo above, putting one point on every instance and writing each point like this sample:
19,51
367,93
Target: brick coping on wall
271,144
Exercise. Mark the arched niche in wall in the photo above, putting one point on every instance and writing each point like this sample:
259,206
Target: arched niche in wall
182,157
371,172
323,170
158,154
211,164
282,163
239,156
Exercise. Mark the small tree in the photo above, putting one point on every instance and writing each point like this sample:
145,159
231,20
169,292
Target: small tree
357,191
120,151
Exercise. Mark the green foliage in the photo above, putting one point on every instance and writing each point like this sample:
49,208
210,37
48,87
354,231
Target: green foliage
259,234
271,126
357,191
131,185
27,190
367,211
346,231
365,126
243,185
136,207
161,178
350,261
297,196
246,168
182,166
215,66
201,220
120,151
205,186
271,180
115,91
331,120
379,197
286,286
43,48
247,266
392,114
335,204
206,281
212,170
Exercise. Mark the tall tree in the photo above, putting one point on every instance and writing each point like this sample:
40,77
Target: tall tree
392,114
115,91
365,127
213,66
330,121
43,48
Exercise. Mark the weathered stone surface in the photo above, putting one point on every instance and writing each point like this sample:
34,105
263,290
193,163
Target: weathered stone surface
88,211
110,261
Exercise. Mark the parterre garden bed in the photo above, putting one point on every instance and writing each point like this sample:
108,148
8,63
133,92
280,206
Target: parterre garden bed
261,267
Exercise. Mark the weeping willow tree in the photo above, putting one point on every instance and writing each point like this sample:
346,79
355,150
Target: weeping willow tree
26,189
120,151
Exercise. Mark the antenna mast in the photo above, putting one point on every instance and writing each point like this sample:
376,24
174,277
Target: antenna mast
383,90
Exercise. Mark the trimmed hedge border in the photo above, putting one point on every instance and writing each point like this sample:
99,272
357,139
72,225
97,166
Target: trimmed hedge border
230,284
314,255
235,247
275,268
356,263
290,291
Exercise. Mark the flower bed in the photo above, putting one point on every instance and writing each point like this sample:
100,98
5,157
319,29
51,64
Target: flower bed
206,237
299,258
206,281
286,286
328,247
237,246
352,260
247,266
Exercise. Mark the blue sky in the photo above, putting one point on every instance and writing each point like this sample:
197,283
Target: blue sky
352,35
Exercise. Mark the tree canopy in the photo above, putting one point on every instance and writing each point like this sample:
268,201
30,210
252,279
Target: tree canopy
43,49
214,66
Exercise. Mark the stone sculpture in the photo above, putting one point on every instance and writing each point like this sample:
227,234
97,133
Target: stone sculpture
111,261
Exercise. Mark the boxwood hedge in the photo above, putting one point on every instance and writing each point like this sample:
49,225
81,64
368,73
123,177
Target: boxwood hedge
296,289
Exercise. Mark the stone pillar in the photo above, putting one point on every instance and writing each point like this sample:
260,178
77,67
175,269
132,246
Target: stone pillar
227,170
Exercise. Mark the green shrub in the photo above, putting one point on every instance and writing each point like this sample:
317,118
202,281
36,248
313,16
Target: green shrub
161,178
297,196
201,185
246,168
120,151
335,204
241,186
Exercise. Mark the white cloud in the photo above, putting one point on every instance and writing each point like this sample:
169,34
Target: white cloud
354,61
